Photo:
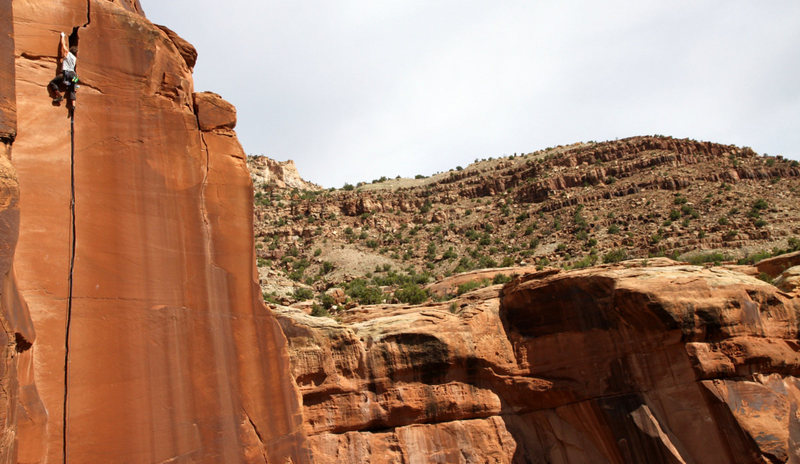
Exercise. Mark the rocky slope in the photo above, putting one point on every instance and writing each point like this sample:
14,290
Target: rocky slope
165,351
647,361
571,206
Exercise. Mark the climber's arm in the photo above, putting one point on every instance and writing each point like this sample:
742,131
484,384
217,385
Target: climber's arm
64,47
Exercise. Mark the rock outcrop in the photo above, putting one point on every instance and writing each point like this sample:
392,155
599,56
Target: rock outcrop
789,280
278,174
165,351
661,364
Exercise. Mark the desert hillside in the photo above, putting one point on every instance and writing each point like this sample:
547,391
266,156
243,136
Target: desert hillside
569,206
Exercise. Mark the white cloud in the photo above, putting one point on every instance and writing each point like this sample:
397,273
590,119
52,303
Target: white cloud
354,90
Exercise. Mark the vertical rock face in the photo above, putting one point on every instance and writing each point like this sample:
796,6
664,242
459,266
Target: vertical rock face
171,354
21,411
619,364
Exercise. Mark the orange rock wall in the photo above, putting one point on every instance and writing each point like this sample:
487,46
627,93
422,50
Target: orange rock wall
21,411
617,364
172,355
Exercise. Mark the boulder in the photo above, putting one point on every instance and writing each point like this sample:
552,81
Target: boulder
213,113
789,280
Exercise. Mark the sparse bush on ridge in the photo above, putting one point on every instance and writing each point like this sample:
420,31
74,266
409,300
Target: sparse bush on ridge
303,294
615,256
705,258
411,293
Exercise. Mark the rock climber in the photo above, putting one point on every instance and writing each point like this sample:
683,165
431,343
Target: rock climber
66,81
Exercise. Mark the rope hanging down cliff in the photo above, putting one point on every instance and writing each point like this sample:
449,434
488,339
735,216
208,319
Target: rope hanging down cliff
71,269
66,81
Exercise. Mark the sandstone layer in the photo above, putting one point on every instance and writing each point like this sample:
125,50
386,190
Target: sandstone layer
168,353
666,363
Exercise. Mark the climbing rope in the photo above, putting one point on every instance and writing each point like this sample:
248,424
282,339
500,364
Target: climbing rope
71,268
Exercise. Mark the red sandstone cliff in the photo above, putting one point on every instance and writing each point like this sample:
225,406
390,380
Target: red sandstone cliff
173,357
171,353
622,364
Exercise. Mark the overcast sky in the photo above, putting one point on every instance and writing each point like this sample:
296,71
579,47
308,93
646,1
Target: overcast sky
353,90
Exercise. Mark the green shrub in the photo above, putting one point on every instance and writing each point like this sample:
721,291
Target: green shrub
270,298
327,267
426,207
752,259
615,256
588,260
613,229
464,265
303,294
674,215
723,221
365,294
687,210
297,274
703,258
411,294
485,262
470,286
347,187
327,301
501,279
319,311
